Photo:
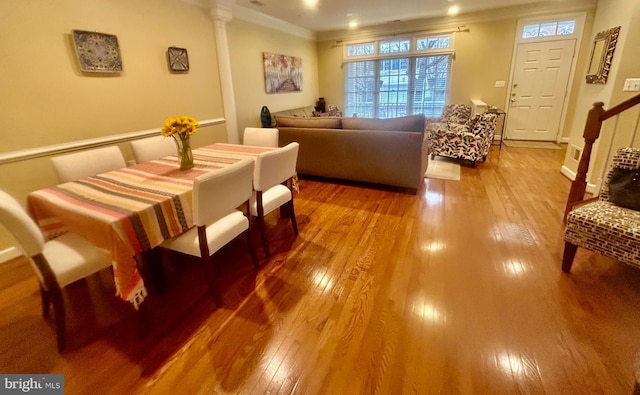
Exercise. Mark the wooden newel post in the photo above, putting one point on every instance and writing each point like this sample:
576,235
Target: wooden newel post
591,133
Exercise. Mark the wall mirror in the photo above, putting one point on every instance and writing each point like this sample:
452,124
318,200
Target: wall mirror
601,55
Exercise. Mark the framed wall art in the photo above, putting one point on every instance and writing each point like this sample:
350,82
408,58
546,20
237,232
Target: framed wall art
178,59
604,45
97,52
282,73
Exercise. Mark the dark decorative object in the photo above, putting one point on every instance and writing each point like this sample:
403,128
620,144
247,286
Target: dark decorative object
265,117
321,105
601,56
178,59
624,188
282,73
97,52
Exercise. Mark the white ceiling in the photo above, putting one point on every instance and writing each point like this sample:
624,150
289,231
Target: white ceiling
336,14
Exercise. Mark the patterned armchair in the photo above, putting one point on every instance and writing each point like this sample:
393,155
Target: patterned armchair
601,226
456,135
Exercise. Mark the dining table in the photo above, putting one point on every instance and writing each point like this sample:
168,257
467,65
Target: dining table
131,210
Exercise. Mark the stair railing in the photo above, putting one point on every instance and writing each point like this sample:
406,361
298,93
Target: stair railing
596,116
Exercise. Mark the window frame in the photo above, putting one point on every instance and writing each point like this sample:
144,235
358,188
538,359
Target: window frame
413,50
578,18
410,55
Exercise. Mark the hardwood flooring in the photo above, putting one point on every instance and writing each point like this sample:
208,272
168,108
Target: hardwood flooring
455,290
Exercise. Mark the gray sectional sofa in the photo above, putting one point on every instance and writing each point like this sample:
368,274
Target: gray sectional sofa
390,152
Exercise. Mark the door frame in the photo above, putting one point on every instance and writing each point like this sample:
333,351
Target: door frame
580,18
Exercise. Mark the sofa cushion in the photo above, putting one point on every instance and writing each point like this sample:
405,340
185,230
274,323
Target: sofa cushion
410,123
313,122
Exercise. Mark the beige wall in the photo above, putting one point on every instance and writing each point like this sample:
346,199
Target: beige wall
483,56
46,99
247,42
610,13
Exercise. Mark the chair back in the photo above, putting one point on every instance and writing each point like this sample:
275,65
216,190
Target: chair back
263,137
82,164
456,113
217,194
626,158
156,147
484,124
20,225
275,167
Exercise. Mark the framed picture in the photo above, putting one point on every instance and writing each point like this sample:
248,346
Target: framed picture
178,59
97,52
282,73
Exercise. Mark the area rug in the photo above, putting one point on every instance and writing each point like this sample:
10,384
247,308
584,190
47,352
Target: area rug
443,169
530,144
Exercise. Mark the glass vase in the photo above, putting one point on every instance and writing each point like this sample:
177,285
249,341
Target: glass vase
183,144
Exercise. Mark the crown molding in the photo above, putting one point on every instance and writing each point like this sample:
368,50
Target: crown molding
261,19
444,23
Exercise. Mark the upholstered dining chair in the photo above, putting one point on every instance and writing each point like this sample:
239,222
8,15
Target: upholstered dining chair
264,137
57,262
272,184
151,148
82,164
216,198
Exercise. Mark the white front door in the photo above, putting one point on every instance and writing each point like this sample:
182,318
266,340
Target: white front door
538,90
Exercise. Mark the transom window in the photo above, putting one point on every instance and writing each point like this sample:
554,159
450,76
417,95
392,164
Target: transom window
556,28
389,78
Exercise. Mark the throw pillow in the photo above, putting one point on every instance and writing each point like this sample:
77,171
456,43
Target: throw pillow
624,188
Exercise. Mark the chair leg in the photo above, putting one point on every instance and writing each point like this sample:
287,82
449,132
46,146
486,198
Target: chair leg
209,266
58,312
260,216
46,301
568,255
254,258
292,214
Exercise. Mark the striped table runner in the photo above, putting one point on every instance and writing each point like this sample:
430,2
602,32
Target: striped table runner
131,210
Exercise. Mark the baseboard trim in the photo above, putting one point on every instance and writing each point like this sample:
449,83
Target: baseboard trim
8,254
570,174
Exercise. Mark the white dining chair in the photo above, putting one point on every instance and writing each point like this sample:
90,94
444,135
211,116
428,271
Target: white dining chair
87,163
273,187
57,262
151,148
263,137
216,198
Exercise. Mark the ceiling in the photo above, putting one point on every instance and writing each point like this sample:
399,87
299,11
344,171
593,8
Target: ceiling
336,14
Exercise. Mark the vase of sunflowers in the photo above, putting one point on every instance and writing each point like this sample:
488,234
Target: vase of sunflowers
181,128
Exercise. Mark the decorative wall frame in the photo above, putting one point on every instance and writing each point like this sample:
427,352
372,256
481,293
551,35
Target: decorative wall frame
282,73
97,52
178,59
604,45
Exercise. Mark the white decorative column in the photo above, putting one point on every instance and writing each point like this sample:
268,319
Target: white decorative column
221,13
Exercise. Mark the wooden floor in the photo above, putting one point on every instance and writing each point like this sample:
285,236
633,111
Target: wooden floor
455,290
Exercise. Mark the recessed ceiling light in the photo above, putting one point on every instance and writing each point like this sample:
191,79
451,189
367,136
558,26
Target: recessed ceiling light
353,24
310,3
453,10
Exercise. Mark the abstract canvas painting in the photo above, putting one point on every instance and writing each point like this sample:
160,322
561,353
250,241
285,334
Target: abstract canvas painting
282,73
